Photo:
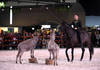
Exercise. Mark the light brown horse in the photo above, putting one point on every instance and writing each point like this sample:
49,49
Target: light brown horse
53,48
27,45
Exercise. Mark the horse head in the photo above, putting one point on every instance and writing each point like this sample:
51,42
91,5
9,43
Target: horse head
36,36
63,26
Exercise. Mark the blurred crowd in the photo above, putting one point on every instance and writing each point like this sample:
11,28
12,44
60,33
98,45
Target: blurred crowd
95,37
11,40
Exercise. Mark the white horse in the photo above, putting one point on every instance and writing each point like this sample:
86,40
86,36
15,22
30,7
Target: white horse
53,48
27,45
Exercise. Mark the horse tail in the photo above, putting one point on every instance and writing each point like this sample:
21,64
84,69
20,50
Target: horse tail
92,47
90,44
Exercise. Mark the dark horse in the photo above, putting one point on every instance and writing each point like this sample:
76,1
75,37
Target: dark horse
71,40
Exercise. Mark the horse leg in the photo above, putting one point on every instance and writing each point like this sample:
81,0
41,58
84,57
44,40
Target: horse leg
50,54
72,54
67,54
90,54
53,54
20,55
17,56
32,53
91,51
56,57
82,54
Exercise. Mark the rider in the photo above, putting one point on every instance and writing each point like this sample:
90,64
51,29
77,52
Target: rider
77,25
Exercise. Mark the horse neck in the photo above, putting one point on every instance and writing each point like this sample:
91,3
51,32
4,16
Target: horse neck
69,32
52,39
52,36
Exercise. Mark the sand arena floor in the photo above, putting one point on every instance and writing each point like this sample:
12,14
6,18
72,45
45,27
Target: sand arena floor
7,60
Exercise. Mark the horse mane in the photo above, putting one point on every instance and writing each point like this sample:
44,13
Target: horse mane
65,32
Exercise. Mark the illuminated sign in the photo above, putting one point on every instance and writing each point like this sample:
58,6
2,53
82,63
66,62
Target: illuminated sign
46,26
2,4
4,28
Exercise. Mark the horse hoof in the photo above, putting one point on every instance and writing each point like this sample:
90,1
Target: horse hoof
68,60
71,60
56,64
20,62
16,61
80,59
50,58
32,57
90,59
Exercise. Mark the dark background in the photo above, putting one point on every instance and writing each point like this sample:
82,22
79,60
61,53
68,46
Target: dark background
91,7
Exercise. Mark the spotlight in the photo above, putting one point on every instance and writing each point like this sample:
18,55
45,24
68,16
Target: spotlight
47,8
68,6
30,9
11,7
3,9
33,28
